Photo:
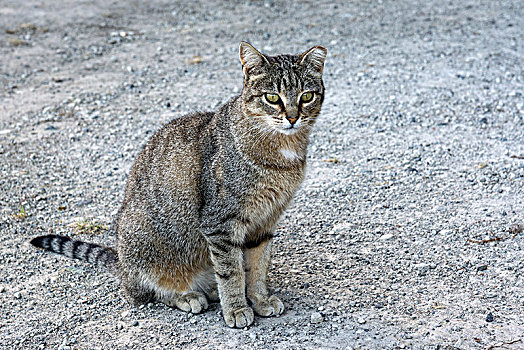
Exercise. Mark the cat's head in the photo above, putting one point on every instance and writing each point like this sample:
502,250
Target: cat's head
284,92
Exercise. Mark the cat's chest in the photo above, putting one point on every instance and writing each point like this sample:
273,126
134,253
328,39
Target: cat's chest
268,198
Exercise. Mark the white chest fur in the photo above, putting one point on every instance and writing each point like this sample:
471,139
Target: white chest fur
289,154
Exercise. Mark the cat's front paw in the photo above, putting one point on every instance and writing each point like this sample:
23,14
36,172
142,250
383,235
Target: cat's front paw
239,318
270,307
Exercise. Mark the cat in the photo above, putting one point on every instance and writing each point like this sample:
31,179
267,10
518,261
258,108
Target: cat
205,194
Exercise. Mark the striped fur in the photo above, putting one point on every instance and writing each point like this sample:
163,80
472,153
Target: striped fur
102,257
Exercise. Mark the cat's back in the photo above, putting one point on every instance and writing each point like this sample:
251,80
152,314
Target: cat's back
184,132
172,159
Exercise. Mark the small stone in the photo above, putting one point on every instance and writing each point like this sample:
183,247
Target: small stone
386,236
361,320
134,324
316,317
489,317
422,268
482,267
83,202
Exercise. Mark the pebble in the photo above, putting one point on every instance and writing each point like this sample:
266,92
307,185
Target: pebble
386,237
361,320
489,317
316,317
482,267
83,202
422,268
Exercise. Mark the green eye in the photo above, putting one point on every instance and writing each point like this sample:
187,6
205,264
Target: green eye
306,97
272,98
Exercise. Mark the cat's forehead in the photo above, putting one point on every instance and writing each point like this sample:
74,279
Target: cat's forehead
283,61
284,72
282,65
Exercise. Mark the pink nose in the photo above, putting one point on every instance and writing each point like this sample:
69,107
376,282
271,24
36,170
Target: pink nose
292,120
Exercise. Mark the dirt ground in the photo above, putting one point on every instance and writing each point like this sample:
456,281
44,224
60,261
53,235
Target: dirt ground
406,234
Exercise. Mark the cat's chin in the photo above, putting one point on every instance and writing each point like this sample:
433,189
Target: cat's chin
288,131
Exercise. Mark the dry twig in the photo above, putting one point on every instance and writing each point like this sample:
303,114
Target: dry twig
514,230
501,345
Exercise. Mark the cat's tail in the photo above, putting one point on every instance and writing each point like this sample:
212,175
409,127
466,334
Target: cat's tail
95,254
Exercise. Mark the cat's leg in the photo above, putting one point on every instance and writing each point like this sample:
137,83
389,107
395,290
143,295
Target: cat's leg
136,292
228,263
212,294
258,259
205,281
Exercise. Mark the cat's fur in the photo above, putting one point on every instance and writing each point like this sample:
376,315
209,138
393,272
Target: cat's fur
205,194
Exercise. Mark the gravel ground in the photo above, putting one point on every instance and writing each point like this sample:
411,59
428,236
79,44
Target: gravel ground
407,232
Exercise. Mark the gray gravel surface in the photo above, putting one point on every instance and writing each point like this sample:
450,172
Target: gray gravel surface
407,232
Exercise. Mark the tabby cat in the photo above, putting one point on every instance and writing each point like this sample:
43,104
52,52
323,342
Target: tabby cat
206,192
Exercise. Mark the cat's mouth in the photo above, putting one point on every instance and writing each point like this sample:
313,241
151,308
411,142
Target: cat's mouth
288,130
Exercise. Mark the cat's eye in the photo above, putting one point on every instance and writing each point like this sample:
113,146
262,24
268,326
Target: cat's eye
272,98
306,97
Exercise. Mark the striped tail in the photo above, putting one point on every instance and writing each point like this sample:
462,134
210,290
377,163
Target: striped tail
98,255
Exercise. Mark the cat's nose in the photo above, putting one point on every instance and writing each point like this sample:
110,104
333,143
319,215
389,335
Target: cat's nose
292,120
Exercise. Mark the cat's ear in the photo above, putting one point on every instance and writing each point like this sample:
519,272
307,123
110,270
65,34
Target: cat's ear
314,59
250,57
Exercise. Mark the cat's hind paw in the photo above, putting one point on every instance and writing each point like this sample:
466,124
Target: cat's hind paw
270,307
194,302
